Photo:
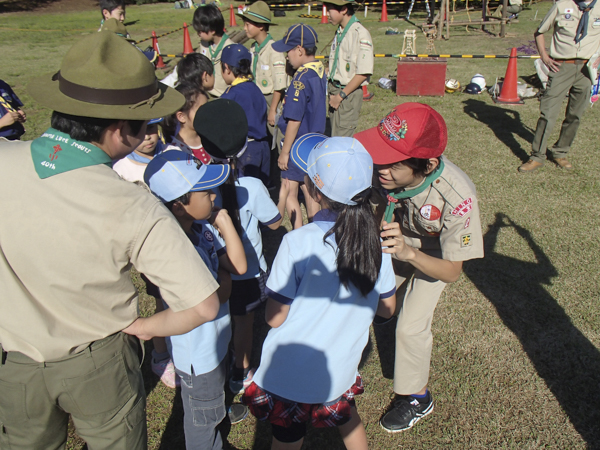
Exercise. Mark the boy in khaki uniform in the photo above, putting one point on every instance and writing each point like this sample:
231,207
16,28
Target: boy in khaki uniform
210,25
69,306
431,225
350,66
268,66
575,39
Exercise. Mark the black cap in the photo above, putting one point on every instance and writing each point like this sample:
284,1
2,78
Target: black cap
223,127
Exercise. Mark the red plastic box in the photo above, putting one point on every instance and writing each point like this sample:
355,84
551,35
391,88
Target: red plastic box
421,76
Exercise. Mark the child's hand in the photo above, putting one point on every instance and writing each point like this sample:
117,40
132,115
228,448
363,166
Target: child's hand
22,116
271,118
9,118
136,329
393,242
220,220
283,160
335,101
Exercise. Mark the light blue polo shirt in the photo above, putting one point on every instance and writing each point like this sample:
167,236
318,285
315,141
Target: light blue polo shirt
256,207
313,356
204,347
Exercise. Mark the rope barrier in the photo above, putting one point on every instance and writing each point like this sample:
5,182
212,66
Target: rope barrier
401,55
159,36
296,5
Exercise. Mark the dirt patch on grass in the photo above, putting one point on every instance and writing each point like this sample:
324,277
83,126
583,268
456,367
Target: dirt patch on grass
49,6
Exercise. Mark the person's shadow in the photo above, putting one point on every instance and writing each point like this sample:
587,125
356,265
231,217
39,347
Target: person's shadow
566,360
505,123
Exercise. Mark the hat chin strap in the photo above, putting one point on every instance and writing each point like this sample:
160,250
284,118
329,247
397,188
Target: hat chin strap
135,96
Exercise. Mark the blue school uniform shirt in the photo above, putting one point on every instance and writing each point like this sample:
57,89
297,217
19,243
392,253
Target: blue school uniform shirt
204,347
306,100
255,207
313,356
10,99
248,95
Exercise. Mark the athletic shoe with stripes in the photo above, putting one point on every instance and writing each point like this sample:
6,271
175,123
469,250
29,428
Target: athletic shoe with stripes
406,411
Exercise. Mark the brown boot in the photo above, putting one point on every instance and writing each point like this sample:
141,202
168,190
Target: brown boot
530,166
563,163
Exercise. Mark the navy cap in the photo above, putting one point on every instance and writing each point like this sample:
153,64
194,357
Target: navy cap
234,53
297,35
473,88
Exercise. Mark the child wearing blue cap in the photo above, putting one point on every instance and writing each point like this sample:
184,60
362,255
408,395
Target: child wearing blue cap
328,281
237,72
304,111
185,186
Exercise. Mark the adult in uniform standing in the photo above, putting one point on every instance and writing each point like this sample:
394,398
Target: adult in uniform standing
575,38
71,232
431,226
350,66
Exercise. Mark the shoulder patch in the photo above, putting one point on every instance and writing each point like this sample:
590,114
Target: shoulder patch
365,43
465,240
278,63
463,208
298,85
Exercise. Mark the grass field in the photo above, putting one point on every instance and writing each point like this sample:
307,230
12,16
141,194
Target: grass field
516,361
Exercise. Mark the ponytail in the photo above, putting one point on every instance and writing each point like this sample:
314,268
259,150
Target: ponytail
356,233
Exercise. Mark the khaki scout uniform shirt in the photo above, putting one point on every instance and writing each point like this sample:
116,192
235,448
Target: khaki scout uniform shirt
220,84
270,73
444,217
563,19
67,245
355,55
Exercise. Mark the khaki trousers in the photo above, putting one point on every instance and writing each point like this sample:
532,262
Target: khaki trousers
417,296
574,80
344,120
101,388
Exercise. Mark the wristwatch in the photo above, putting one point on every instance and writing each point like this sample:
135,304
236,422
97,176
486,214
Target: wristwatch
343,95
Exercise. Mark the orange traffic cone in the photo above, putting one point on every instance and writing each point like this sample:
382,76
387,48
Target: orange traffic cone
508,94
367,96
232,17
384,17
160,64
324,18
187,43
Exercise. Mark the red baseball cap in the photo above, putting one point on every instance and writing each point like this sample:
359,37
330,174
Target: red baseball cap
411,130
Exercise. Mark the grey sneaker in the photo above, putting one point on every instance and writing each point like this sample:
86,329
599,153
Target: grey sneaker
237,412
406,411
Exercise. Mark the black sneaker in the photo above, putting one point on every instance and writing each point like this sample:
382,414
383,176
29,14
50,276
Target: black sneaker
237,412
406,411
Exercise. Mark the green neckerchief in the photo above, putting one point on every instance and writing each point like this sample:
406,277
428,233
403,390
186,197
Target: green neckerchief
338,42
408,193
257,49
218,49
55,152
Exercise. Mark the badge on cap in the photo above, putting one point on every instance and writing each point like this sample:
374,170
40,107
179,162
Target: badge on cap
393,127
430,212
463,208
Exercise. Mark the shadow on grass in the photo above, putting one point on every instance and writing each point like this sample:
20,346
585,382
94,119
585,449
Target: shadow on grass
505,123
567,361
23,5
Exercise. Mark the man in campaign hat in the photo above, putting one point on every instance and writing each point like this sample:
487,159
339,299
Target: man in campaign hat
72,231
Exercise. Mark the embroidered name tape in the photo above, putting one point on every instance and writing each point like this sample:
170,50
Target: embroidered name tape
463,208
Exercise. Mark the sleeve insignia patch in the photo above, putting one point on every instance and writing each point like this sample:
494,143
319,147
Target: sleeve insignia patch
467,222
465,240
298,85
365,43
278,63
463,208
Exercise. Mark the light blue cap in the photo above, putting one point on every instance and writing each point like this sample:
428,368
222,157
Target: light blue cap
155,121
340,167
175,173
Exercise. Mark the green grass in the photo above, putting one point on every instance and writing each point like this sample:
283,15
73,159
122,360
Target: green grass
515,360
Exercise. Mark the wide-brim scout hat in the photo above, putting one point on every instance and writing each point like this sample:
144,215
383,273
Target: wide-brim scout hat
223,128
411,130
340,167
340,2
104,76
257,12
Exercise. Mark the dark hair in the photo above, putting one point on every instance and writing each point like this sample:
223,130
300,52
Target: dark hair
230,201
419,166
349,6
310,51
184,200
192,68
356,233
209,18
87,129
190,91
111,5
243,69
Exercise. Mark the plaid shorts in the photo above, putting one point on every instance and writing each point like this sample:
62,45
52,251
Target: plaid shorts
268,407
